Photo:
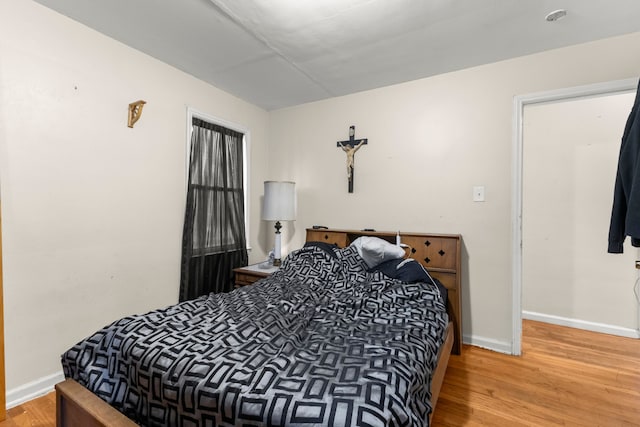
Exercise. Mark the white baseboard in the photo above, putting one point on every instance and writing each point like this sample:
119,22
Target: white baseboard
33,389
581,324
488,343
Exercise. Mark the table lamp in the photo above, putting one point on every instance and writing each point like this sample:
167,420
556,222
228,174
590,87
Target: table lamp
279,205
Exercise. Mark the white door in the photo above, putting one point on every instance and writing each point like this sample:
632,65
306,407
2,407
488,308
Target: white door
570,156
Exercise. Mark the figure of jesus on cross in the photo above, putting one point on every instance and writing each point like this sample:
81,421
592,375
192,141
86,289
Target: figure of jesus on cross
350,147
350,150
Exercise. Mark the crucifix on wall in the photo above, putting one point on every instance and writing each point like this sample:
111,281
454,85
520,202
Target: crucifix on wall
350,147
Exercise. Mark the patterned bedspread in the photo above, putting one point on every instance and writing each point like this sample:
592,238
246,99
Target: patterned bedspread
320,342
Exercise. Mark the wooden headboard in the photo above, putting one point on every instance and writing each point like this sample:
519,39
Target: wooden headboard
438,253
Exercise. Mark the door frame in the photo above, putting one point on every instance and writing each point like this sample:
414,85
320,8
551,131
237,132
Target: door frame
519,102
3,391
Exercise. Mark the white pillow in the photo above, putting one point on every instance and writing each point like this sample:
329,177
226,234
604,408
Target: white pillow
375,250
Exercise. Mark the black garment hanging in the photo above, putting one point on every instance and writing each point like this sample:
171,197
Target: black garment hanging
625,215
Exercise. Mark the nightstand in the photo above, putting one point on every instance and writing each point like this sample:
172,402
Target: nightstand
247,275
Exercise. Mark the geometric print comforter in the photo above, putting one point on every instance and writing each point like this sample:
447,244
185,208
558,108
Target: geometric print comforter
322,341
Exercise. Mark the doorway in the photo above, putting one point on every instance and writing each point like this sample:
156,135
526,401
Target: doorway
556,190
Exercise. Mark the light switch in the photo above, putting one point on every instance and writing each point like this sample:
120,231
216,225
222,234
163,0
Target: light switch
478,193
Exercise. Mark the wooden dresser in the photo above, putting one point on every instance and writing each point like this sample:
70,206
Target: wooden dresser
439,253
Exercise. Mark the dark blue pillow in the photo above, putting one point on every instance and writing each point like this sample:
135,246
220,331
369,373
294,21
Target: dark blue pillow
410,271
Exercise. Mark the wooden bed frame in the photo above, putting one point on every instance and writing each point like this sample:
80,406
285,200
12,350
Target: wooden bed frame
76,406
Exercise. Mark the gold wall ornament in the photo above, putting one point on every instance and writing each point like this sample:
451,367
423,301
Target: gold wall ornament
135,111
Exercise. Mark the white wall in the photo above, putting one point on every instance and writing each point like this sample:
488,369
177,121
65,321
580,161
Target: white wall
92,210
430,142
569,166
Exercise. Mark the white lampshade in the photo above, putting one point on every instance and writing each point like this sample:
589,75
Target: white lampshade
279,201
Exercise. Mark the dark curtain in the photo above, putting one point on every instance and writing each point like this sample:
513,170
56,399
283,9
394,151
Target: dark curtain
213,240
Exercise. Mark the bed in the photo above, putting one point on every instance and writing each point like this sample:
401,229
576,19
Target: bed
329,339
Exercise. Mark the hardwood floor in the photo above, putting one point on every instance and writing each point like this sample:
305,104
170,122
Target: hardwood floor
40,412
565,377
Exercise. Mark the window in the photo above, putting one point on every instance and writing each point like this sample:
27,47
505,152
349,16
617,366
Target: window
214,234
216,181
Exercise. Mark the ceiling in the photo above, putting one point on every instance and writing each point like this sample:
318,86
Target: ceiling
280,53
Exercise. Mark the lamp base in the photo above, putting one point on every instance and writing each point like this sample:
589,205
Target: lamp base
277,249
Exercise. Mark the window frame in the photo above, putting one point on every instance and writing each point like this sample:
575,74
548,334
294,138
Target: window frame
246,144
